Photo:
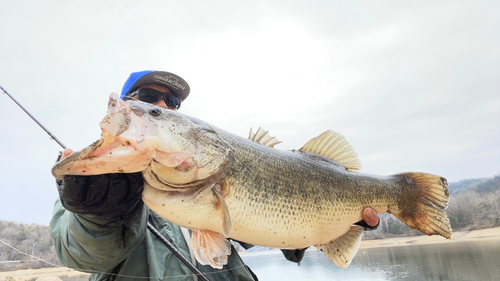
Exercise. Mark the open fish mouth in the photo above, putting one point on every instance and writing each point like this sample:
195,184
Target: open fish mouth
118,150
140,137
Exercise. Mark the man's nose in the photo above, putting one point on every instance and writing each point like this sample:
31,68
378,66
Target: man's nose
161,103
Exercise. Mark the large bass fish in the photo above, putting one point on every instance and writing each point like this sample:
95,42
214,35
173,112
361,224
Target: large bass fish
223,186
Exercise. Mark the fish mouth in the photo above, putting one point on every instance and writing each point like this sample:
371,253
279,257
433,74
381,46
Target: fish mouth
185,158
118,150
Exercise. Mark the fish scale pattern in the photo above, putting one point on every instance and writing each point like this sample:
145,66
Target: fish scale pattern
286,200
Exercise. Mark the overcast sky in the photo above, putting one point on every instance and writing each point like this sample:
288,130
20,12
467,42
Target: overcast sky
412,86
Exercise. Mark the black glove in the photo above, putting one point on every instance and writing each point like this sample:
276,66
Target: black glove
106,196
294,255
367,226
246,246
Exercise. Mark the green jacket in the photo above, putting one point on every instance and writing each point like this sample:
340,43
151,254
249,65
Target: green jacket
122,248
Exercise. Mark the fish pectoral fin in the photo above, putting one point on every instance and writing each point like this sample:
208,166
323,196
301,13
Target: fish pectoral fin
342,250
263,138
222,206
334,146
210,248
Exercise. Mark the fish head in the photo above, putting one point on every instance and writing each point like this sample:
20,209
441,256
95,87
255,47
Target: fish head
141,137
186,152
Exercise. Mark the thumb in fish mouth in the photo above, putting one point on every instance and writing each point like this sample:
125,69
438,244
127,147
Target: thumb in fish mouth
67,152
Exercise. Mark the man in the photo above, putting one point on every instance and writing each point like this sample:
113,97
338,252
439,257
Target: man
99,222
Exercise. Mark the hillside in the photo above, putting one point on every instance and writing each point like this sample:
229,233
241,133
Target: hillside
480,185
459,186
21,245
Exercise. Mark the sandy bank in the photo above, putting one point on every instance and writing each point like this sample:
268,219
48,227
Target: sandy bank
44,274
458,236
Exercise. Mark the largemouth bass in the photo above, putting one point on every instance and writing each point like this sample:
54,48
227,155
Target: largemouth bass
222,186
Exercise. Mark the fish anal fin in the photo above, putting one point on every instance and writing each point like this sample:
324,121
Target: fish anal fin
263,138
342,250
222,206
210,248
334,146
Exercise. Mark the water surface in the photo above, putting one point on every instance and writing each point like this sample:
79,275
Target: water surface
479,260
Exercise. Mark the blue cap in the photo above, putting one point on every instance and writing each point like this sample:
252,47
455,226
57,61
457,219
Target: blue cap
175,83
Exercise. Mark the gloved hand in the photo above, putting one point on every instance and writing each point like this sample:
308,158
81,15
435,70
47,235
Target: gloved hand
294,255
370,219
367,226
106,196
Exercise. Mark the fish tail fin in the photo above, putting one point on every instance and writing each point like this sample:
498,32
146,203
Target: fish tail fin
422,203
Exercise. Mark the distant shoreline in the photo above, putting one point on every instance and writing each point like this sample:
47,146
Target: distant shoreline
458,236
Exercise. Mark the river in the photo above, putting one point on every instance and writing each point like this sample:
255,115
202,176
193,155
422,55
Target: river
477,261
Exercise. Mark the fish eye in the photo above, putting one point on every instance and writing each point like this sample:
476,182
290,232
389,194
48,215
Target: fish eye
155,112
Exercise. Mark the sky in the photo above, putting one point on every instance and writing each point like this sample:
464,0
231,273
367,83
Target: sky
412,85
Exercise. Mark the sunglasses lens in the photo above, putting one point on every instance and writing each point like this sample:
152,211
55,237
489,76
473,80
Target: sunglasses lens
172,101
148,95
153,96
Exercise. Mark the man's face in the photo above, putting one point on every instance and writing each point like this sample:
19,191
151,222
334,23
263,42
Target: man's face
161,103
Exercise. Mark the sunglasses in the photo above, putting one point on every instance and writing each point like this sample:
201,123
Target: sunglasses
153,96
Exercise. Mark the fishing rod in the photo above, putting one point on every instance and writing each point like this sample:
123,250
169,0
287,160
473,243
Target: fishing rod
151,228
34,119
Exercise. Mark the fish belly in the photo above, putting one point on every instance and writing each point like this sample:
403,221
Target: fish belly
283,227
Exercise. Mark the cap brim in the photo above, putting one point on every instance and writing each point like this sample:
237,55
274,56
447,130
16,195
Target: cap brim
175,83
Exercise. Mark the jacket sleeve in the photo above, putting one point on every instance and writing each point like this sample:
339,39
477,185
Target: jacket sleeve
92,243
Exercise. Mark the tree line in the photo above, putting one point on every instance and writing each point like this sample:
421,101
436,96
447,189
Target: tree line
474,204
21,245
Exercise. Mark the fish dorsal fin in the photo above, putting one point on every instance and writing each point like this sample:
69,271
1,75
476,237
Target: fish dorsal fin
263,137
342,250
334,146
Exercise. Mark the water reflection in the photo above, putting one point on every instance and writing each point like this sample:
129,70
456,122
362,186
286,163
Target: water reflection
447,261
